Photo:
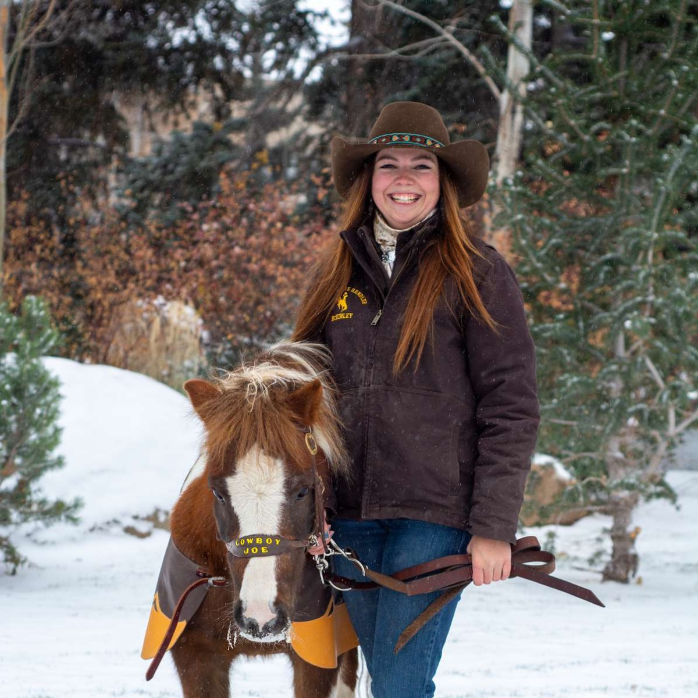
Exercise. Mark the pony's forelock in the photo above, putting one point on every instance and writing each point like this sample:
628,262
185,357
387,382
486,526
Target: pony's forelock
255,392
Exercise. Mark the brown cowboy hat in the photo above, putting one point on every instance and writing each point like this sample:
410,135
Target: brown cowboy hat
414,125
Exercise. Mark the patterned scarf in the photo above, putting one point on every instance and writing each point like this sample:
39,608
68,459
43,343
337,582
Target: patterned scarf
386,237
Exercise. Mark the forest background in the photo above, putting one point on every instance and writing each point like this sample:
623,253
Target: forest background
165,185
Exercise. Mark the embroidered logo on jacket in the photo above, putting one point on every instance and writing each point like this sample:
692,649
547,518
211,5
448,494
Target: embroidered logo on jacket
343,306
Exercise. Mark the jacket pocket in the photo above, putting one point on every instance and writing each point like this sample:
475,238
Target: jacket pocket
412,449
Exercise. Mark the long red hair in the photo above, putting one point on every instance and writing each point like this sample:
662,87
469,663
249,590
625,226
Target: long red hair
452,255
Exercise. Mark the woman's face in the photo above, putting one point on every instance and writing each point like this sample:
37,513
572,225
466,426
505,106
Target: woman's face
405,185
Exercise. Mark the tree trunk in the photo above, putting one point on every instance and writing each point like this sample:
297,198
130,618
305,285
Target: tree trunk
364,98
510,130
624,558
4,106
622,566
509,135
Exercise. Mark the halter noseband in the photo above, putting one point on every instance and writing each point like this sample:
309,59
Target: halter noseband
263,546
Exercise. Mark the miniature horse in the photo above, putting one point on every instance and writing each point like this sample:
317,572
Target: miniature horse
256,476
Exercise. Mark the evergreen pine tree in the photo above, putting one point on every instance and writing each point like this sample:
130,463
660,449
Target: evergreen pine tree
29,435
604,227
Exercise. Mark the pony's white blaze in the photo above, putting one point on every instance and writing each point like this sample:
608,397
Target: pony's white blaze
257,496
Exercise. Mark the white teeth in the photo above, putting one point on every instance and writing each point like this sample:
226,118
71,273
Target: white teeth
404,199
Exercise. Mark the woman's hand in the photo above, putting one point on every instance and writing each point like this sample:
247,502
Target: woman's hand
491,560
327,533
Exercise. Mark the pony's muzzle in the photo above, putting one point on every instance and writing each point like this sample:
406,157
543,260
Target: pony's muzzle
257,621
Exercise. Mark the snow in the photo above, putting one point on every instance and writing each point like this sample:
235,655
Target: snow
560,471
72,622
127,441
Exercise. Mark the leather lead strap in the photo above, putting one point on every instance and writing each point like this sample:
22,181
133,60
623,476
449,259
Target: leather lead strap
451,574
212,582
423,618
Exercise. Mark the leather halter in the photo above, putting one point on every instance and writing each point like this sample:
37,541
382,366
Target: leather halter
270,544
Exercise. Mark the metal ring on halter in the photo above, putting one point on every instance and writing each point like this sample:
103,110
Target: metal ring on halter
321,563
334,586
348,553
310,442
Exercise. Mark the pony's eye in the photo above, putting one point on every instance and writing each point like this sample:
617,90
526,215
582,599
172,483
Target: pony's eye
218,495
302,492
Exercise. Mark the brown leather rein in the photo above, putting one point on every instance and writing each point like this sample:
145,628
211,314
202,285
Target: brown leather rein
450,574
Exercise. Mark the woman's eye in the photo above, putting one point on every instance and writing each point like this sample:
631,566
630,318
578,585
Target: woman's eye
302,492
218,495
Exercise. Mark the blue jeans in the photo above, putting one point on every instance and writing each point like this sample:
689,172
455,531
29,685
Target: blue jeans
379,616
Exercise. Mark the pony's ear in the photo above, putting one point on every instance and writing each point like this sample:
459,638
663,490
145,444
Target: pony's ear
200,392
305,402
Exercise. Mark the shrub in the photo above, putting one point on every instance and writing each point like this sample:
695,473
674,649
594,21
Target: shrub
29,434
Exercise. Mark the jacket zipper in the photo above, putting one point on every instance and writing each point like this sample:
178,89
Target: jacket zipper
365,499
379,314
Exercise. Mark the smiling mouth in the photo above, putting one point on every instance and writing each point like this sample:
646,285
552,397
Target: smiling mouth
404,198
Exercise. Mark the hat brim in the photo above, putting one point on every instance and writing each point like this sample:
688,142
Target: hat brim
467,161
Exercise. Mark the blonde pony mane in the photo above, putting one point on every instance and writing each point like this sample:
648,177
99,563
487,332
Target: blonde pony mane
256,388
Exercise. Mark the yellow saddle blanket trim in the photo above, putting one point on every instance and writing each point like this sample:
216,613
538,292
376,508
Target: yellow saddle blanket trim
157,627
320,640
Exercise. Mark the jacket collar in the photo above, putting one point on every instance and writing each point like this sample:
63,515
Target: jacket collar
410,244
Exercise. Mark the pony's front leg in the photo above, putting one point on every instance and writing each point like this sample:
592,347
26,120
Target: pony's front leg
310,681
203,666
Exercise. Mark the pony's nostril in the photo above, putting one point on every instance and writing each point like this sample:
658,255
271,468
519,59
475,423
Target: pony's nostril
279,623
251,626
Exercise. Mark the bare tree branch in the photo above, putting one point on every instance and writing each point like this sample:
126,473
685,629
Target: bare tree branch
470,57
686,423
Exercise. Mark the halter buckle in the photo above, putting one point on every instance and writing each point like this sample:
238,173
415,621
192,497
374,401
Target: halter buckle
310,442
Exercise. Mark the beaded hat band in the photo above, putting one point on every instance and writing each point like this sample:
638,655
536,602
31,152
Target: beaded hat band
407,139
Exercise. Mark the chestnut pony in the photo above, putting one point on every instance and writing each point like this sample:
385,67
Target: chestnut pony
256,476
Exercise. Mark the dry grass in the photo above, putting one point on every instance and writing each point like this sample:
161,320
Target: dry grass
161,340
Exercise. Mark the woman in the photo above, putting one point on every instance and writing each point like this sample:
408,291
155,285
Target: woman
436,371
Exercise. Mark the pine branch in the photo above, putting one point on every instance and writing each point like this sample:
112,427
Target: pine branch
678,20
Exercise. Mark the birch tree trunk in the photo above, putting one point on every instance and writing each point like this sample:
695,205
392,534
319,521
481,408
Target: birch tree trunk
510,130
620,465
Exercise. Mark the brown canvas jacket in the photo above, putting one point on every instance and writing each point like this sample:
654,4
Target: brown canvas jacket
451,441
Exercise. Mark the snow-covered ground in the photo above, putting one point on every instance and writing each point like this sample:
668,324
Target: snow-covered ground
72,623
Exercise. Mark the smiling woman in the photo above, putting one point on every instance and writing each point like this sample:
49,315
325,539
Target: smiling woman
436,370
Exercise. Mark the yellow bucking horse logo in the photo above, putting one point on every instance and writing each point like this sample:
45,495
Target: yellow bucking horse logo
343,305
